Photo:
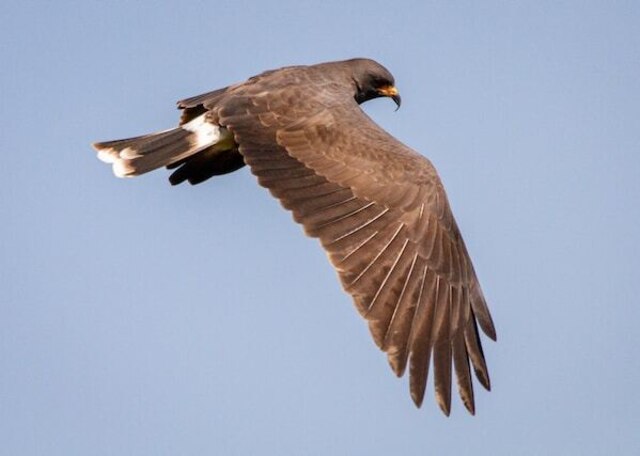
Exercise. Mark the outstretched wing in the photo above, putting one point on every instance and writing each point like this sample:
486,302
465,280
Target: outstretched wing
381,213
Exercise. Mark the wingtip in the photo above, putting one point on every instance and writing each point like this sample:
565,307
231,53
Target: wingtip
398,366
469,403
443,396
490,330
444,406
483,378
482,314
417,398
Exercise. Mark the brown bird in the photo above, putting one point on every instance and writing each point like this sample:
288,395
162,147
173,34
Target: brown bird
378,208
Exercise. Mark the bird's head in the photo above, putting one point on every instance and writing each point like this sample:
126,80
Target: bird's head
372,80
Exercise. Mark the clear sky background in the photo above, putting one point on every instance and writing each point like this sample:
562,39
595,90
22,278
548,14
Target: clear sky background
140,319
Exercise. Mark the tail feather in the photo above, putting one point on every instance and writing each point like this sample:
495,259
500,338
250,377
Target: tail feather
141,154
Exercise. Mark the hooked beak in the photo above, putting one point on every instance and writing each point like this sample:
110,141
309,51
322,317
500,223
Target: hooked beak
391,92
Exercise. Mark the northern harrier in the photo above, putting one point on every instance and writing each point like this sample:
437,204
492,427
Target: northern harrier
378,207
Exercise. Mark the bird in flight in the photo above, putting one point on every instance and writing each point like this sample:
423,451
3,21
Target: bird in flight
378,208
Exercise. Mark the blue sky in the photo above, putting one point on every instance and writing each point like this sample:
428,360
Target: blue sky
137,318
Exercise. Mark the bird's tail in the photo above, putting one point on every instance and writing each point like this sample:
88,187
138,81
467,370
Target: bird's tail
139,155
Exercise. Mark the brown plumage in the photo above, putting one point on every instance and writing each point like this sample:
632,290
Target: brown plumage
378,208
